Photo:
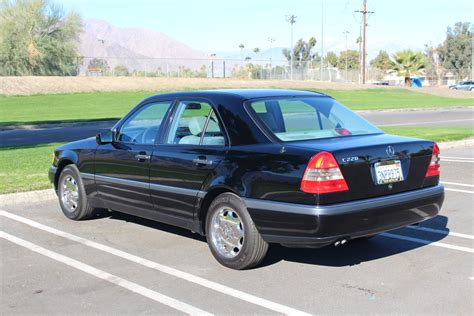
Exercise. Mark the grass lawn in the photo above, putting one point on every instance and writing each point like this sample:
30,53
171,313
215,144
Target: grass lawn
113,105
25,168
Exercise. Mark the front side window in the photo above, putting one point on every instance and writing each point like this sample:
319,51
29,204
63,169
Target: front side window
143,126
296,119
195,123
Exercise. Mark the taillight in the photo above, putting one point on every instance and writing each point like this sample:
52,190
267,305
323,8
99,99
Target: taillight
322,175
433,168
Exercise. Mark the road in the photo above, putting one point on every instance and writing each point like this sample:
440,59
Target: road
71,132
120,264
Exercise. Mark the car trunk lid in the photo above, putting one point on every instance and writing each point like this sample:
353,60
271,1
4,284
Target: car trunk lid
361,158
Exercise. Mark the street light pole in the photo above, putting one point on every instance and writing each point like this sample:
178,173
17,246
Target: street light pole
292,20
271,40
345,34
212,65
322,40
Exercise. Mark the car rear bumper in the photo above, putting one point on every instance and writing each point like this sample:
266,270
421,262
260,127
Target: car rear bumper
317,226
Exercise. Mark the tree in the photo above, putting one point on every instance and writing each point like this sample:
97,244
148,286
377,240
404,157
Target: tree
457,49
381,61
37,38
331,58
242,46
120,71
256,50
352,59
435,60
98,65
301,52
406,63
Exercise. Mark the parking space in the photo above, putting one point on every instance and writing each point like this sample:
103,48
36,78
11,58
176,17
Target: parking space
117,264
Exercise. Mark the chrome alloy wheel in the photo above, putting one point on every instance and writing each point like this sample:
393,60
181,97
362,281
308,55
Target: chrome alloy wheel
227,232
70,193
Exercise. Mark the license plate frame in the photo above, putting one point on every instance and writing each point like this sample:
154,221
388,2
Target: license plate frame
387,172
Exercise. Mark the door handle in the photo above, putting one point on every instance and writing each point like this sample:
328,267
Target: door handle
202,161
142,157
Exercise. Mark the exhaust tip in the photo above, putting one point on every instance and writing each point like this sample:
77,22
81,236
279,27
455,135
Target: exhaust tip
340,242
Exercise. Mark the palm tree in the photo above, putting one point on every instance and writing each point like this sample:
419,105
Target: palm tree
242,46
407,63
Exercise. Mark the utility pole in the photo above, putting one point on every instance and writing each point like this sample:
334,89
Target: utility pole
364,26
292,20
345,34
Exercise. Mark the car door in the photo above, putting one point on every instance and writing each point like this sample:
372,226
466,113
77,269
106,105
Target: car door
122,172
193,146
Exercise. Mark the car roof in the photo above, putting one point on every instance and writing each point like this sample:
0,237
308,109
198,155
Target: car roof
244,94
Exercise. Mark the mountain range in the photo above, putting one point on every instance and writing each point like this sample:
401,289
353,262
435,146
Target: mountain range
136,48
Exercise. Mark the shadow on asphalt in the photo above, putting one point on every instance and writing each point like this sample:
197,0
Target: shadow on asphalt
353,253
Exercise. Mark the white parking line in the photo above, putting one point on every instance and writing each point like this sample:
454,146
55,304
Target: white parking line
442,232
457,190
428,242
158,297
162,268
458,184
456,160
459,158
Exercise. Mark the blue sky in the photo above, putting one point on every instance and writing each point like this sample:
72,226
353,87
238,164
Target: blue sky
216,26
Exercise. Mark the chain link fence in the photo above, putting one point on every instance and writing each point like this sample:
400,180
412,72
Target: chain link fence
255,69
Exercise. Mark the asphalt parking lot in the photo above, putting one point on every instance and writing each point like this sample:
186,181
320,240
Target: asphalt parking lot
120,264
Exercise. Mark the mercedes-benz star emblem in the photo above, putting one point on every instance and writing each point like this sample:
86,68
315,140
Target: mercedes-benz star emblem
390,151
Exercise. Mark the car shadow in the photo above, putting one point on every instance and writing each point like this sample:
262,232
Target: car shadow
358,251
353,253
148,223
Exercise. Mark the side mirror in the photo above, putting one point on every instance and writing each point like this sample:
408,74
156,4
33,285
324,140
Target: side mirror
106,137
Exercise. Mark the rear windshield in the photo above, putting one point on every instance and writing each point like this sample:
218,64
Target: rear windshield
293,119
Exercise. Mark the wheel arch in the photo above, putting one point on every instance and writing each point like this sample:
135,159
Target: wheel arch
206,202
63,163
64,160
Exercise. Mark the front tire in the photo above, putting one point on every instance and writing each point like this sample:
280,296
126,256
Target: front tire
231,234
72,195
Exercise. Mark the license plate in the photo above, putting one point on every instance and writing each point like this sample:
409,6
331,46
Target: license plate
388,172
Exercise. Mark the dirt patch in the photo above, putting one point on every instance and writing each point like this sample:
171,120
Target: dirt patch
445,92
46,85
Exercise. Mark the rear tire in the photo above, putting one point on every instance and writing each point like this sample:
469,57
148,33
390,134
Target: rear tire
231,234
72,195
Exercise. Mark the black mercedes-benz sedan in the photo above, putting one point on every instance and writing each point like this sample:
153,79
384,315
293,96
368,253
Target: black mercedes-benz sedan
247,168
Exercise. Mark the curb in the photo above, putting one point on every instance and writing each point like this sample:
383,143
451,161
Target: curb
456,143
50,194
27,197
463,107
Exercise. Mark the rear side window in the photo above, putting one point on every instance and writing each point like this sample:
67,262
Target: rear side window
295,119
195,123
